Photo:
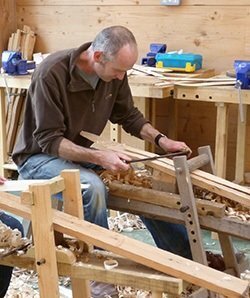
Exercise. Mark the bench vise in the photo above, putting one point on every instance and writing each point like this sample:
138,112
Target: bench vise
242,71
13,64
155,48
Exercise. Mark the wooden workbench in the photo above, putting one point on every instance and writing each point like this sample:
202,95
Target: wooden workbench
222,96
143,89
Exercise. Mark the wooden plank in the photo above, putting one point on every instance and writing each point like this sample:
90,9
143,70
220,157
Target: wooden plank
22,82
128,273
161,198
207,181
10,42
241,146
7,22
189,209
3,149
14,113
224,94
72,198
226,225
16,44
163,261
41,216
130,2
201,36
19,185
29,45
221,140
206,84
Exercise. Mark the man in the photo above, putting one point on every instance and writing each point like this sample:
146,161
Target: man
6,271
81,89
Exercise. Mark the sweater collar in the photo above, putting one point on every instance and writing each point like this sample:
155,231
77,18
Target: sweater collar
77,83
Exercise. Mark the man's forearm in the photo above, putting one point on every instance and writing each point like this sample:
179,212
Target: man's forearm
108,159
149,133
70,151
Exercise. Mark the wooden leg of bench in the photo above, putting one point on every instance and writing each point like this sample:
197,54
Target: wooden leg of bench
43,235
72,198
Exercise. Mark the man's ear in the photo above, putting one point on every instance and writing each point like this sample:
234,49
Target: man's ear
98,56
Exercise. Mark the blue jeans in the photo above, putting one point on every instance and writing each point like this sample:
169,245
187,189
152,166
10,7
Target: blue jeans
168,236
6,271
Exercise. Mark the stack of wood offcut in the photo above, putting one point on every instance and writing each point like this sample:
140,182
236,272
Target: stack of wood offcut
22,40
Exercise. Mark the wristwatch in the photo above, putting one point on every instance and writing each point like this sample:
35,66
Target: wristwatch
158,137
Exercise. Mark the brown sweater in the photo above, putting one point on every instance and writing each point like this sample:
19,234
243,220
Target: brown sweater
60,103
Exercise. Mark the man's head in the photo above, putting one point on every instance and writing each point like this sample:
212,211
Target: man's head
114,52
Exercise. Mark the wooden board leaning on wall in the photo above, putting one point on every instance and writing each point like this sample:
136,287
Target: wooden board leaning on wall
22,40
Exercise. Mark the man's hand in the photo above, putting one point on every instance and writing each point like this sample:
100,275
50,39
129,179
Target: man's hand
112,160
169,145
149,133
2,180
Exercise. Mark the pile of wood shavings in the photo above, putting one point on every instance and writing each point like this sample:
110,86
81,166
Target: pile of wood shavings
125,222
24,284
141,177
9,238
233,209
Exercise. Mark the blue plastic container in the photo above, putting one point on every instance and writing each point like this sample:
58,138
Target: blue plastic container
187,62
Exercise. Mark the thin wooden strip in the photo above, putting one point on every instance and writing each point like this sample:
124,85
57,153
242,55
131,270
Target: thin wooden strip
225,83
194,79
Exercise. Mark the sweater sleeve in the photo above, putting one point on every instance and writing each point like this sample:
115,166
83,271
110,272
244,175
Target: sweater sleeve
48,115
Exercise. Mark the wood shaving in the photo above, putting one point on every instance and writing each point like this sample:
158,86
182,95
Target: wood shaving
125,222
10,238
141,177
233,209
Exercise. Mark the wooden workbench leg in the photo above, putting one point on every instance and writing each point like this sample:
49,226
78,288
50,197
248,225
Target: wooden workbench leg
221,139
240,147
43,235
3,149
72,199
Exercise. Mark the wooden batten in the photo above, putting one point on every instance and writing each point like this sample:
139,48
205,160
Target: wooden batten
170,200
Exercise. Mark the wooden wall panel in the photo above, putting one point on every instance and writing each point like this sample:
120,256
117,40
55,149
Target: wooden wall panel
132,2
217,29
7,21
218,33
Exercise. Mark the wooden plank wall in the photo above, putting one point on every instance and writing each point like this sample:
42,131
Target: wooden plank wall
8,21
217,29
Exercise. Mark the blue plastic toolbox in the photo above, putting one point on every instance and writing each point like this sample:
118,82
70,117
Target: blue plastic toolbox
187,62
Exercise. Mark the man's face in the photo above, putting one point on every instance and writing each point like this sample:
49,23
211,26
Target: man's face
117,68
